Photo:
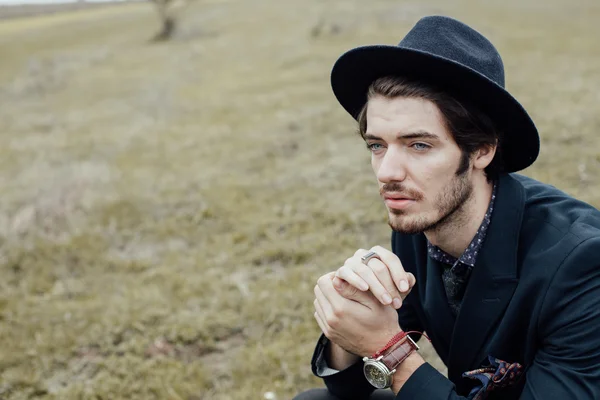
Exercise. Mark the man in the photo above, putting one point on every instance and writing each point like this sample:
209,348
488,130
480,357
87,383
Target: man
501,271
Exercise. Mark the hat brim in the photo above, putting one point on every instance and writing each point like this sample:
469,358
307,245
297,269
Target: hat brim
355,70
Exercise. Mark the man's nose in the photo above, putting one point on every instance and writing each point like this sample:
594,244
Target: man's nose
392,167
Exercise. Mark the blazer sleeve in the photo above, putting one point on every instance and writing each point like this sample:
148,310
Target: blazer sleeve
347,384
566,364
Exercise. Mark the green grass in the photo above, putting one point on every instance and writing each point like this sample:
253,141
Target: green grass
167,208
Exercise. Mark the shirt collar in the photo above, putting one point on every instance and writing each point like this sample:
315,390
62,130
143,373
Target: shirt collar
469,256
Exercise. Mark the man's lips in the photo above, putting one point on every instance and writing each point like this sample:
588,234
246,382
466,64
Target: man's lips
396,197
397,202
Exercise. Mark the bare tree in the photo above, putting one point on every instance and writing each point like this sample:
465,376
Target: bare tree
167,12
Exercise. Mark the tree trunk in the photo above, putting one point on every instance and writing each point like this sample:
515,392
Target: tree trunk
168,28
168,21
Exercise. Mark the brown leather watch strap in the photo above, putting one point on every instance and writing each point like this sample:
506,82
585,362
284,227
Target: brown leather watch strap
398,353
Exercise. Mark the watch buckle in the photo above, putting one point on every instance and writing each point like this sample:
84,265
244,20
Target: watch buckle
413,343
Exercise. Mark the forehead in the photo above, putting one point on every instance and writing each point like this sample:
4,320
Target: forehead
390,116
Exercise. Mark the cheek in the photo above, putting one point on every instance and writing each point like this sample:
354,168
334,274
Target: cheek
375,163
433,176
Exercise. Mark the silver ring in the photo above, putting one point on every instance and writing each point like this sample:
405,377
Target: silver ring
365,259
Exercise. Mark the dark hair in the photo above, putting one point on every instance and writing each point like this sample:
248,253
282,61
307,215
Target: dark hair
470,128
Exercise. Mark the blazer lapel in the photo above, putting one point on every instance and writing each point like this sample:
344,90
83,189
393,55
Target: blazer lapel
435,305
493,280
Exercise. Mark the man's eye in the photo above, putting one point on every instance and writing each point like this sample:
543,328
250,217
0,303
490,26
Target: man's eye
374,146
420,146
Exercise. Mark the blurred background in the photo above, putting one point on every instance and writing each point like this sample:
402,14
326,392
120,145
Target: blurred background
175,176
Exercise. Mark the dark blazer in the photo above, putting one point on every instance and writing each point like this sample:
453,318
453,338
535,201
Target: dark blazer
533,298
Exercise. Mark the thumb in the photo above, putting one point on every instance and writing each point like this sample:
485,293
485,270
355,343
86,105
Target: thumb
411,283
411,280
338,283
344,288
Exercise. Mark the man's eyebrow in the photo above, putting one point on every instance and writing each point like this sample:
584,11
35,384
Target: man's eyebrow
411,135
368,136
417,135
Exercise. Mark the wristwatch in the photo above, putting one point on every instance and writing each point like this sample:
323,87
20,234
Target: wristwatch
380,368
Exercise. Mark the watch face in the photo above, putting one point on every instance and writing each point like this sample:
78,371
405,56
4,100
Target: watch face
375,376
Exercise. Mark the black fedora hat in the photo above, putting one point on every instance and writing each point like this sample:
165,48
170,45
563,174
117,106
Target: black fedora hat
454,57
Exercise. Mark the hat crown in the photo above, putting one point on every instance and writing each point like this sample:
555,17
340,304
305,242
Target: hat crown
451,39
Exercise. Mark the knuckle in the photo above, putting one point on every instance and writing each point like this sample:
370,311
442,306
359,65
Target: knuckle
362,270
378,268
359,252
411,279
351,290
338,313
316,289
342,272
354,264
333,321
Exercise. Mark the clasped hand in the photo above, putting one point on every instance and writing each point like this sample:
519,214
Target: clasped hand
355,306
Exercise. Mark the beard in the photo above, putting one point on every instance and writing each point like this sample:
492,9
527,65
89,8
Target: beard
449,206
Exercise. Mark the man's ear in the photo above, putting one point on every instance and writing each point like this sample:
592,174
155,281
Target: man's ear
484,156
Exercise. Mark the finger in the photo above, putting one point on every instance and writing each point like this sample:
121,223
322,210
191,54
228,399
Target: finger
326,309
347,274
319,310
411,280
344,288
349,292
336,300
322,324
360,252
395,267
381,270
382,273
375,286
328,294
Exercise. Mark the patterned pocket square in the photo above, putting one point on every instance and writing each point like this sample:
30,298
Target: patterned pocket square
499,374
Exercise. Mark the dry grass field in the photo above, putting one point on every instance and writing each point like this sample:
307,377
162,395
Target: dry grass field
167,208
